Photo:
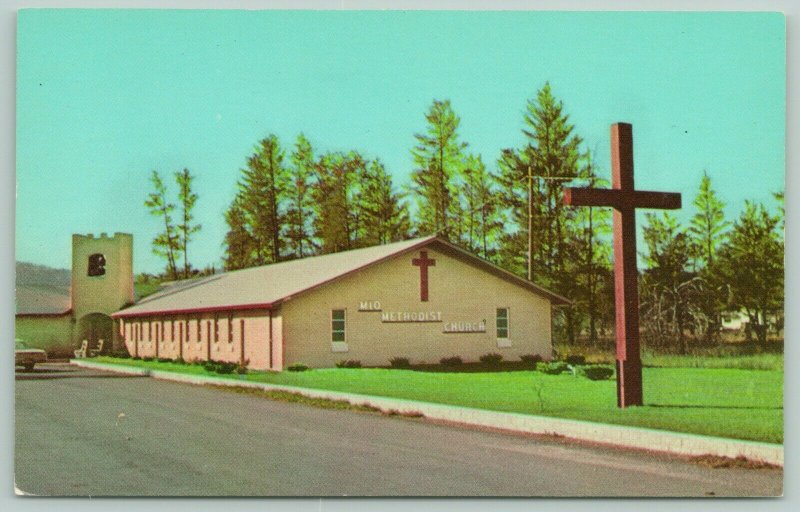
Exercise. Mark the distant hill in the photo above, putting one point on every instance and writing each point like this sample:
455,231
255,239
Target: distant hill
42,290
30,274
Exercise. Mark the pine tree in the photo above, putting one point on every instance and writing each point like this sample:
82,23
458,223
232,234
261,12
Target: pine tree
165,244
262,189
240,245
481,220
300,212
383,216
336,220
708,225
187,199
751,262
437,157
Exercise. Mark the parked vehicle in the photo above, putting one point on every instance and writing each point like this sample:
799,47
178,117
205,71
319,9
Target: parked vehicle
26,356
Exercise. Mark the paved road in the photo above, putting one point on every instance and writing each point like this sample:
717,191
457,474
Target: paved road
94,434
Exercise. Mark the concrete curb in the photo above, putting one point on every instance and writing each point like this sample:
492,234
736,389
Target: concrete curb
614,435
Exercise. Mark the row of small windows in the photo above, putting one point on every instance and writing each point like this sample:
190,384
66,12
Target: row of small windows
338,322
206,330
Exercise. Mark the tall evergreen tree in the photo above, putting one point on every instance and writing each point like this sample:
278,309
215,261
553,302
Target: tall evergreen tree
480,206
186,228
751,262
384,216
240,245
437,157
262,189
300,212
707,231
535,172
708,225
165,243
672,291
336,220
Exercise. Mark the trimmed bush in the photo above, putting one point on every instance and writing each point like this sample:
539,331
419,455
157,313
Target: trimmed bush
180,361
596,372
491,358
147,359
451,361
553,368
164,360
226,368
297,367
531,359
575,360
400,362
348,363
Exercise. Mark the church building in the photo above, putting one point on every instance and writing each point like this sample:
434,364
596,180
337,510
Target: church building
101,282
422,299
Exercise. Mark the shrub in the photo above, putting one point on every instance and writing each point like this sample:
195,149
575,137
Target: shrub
180,361
400,362
147,359
575,360
491,358
241,369
553,368
451,361
136,358
164,360
297,367
210,366
348,363
531,359
596,372
121,354
226,368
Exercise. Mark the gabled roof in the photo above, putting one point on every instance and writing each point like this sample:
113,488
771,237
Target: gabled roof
267,286
33,300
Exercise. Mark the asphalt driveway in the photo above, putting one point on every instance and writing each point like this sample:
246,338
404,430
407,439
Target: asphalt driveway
81,432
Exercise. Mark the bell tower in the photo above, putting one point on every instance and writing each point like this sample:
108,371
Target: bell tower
102,283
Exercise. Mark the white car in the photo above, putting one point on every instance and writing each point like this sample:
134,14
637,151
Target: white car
26,356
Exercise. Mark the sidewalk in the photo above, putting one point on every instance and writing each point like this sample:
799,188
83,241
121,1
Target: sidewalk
613,435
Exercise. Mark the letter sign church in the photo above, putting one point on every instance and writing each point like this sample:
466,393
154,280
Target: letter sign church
422,299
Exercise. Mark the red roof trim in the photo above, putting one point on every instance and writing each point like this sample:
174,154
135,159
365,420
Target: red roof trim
210,309
43,315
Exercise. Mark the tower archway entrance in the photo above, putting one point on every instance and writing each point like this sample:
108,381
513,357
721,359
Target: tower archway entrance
95,327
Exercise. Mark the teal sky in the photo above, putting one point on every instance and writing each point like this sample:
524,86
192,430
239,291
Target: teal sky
106,96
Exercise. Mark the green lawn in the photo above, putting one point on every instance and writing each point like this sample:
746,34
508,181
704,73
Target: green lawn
742,404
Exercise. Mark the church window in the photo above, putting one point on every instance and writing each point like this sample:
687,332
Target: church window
337,325
230,329
97,265
180,331
502,322
208,331
149,331
172,331
241,329
216,329
197,330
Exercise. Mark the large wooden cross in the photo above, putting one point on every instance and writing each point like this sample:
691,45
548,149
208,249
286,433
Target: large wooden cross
624,199
423,262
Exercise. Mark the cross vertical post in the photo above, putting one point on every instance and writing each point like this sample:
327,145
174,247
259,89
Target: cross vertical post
423,263
624,198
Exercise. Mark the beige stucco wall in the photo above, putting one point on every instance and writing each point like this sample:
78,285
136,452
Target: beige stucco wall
460,291
113,290
256,337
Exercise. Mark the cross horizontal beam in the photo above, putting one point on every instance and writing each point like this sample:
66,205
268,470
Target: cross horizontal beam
621,199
